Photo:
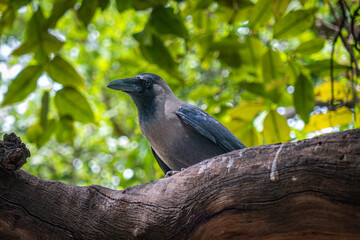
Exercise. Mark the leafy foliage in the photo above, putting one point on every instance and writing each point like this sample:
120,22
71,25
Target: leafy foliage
271,71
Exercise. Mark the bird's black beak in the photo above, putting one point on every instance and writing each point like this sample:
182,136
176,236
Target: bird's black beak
128,85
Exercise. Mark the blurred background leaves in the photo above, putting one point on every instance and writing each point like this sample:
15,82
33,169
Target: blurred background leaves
271,71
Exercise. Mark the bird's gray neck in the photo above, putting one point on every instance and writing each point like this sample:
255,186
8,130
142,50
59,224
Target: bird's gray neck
146,108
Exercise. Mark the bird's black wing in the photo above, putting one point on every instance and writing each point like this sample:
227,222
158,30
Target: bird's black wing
163,166
209,127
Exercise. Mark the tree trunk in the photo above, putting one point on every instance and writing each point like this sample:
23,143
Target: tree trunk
308,189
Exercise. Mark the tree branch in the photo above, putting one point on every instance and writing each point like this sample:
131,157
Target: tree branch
306,189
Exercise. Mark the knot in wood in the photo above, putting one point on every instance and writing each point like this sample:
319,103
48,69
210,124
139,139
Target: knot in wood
13,152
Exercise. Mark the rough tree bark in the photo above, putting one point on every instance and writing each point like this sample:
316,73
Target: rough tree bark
306,189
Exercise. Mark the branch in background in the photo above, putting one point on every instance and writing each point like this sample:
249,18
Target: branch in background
338,33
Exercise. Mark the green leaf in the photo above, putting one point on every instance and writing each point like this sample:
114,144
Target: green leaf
87,11
253,51
35,30
65,131
103,4
70,102
237,126
62,72
279,7
36,134
166,22
235,3
157,53
49,43
35,26
310,47
23,85
229,51
294,23
276,129
58,10
145,4
26,47
261,14
203,91
144,37
304,99
7,18
250,137
322,67
44,109
123,5
294,67
247,110
255,88
272,65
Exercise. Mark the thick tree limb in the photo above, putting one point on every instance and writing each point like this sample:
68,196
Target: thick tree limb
306,189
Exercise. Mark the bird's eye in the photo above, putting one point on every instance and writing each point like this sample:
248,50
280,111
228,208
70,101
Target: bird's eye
146,83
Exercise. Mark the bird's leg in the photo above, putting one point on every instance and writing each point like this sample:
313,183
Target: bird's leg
172,173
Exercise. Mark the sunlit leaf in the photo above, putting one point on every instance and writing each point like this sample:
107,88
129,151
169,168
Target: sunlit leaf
40,136
65,131
70,102
237,126
247,110
310,47
272,65
279,7
293,23
260,14
250,137
304,99
357,116
58,10
62,72
341,92
336,118
275,128
44,109
87,11
23,85
166,22
203,91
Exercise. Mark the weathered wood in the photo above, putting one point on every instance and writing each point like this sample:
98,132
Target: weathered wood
308,189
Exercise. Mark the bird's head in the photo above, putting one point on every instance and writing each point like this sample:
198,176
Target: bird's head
146,89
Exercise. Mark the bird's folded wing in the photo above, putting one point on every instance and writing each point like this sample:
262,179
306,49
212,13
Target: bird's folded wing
209,127
163,166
